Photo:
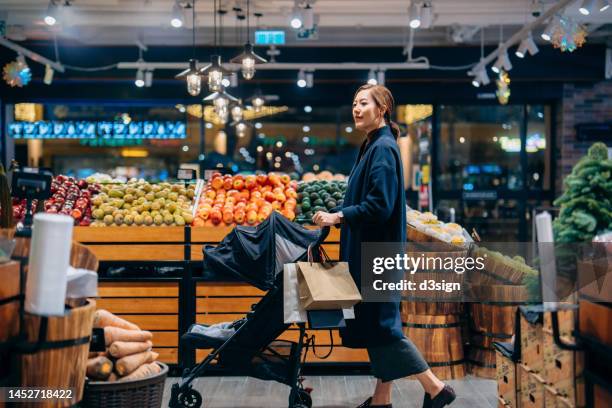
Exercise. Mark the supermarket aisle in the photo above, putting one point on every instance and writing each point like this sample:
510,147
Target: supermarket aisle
330,392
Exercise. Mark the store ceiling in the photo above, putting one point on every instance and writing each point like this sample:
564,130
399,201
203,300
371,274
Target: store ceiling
342,22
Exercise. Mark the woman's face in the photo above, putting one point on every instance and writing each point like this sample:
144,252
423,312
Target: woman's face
366,114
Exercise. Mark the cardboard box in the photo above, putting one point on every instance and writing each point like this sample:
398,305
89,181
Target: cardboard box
563,370
507,384
532,388
532,345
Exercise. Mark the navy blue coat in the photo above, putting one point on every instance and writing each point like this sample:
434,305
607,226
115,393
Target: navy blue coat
374,210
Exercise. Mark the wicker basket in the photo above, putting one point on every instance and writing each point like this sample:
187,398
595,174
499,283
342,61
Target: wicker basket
143,393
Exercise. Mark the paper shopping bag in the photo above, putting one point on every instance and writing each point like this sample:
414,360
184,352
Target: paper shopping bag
292,310
326,286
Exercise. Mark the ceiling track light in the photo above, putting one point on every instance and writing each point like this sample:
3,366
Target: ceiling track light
527,45
372,78
415,15
301,81
296,19
148,78
380,77
550,29
139,81
309,79
426,15
52,13
178,17
308,17
480,77
603,5
587,7
503,61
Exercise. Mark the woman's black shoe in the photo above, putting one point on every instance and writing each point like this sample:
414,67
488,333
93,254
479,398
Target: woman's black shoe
368,404
444,397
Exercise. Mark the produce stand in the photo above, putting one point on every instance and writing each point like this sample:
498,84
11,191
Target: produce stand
168,303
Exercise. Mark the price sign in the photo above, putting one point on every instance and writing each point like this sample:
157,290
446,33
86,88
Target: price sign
186,174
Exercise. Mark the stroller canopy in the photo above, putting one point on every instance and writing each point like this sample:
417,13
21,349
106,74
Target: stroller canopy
257,254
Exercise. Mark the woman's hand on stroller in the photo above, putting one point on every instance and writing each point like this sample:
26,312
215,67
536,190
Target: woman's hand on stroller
325,219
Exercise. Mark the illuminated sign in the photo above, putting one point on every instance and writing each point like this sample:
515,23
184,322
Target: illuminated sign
269,37
97,130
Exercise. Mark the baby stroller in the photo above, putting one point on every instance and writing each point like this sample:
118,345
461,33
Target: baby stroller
255,255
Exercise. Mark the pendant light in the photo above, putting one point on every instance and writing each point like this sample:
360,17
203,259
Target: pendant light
215,72
221,101
192,75
237,111
257,100
241,128
248,59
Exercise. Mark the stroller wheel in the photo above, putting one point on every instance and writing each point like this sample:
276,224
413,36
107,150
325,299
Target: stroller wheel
190,399
300,399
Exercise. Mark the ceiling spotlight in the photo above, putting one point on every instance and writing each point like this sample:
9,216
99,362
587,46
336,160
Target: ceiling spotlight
380,77
603,5
415,15
527,45
309,79
372,77
305,128
426,15
549,30
51,16
178,18
226,83
586,7
307,108
148,78
301,81
139,82
192,77
480,76
503,61
308,17
296,17
48,78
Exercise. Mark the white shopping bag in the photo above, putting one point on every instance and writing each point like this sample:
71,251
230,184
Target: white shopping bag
293,312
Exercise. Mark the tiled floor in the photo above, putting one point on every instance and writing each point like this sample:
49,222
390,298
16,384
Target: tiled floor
330,392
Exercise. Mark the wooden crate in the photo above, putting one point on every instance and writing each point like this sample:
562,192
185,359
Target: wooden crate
567,319
596,321
532,353
552,399
501,403
602,397
508,388
532,388
563,370
152,306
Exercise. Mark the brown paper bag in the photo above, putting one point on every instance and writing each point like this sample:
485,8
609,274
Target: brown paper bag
326,286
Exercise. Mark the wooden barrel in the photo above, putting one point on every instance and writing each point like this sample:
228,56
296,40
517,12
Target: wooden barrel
438,337
60,366
491,321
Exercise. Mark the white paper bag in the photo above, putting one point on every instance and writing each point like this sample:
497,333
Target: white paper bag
292,310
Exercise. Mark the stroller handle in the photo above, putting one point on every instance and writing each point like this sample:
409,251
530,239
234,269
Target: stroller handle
323,233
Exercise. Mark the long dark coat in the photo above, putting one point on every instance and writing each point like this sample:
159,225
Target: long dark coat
374,210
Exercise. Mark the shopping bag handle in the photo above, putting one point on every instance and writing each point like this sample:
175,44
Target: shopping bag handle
322,254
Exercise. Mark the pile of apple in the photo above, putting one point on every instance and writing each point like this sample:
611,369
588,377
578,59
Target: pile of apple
71,197
250,199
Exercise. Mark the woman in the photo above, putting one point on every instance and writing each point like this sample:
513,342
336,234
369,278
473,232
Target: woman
374,210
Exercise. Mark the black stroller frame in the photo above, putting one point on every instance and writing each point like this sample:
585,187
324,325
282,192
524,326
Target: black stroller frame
264,362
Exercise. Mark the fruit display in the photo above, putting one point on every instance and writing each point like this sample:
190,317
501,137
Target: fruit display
69,197
324,175
321,195
142,203
585,206
246,199
427,223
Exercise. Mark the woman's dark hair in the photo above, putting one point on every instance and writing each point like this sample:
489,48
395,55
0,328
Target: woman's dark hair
384,100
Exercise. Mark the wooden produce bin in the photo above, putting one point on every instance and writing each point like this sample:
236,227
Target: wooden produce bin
532,388
532,343
153,306
508,384
563,370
